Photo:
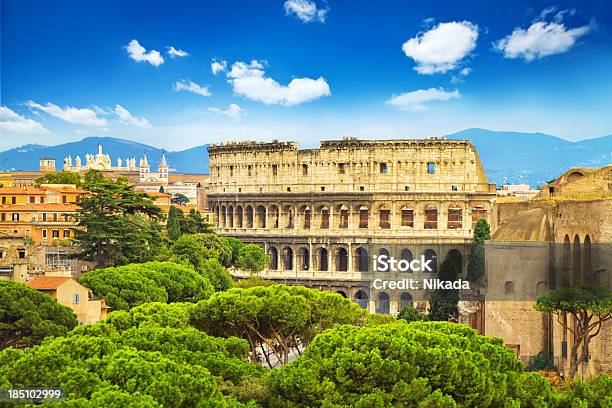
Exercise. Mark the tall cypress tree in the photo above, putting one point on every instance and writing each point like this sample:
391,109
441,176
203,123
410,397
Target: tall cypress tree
174,223
476,258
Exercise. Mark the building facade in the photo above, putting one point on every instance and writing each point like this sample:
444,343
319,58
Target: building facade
322,214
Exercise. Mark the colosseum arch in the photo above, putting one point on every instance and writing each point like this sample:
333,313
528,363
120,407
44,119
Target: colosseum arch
566,266
249,216
260,216
577,278
431,217
405,300
287,259
407,216
362,260
306,216
343,218
273,254
303,259
406,255
587,271
322,259
223,217
230,216
289,217
361,298
430,254
454,218
364,216
382,304
342,293
341,259
240,217
323,213
384,216
455,258
275,214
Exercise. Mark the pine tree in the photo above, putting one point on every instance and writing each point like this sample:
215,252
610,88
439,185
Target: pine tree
174,223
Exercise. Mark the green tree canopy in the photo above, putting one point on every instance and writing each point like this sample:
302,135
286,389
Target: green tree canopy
127,286
276,320
27,316
115,224
60,177
443,302
173,225
253,258
420,364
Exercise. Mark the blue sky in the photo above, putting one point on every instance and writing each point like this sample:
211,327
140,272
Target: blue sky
301,70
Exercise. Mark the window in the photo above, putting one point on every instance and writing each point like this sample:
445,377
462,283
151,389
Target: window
384,219
66,233
15,217
407,217
250,170
21,254
44,217
1,254
44,234
454,218
13,200
322,188
478,213
431,168
288,189
76,298
454,188
431,217
341,168
32,199
406,188
304,169
361,188
64,199
3,200
383,168
3,217
42,200
509,288
55,233
275,169
55,217
324,218
363,217
231,170
344,218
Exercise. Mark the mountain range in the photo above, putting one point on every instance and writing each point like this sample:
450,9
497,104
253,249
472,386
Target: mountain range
508,157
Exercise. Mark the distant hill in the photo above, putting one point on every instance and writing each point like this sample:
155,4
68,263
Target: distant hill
533,158
508,157
194,160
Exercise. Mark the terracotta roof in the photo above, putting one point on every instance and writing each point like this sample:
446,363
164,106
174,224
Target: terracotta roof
48,282
154,193
22,190
40,207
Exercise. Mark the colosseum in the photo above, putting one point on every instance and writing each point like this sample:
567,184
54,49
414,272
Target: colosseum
321,214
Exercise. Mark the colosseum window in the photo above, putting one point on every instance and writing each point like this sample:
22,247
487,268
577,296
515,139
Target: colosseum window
431,168
324,218
307,216
250,170
304,169
454,218
431,217
407,217
341,168
231,170
275,169
385,215
383,168
509,288
364,214
344,218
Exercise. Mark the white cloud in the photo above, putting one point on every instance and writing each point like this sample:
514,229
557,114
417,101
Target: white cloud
417,100
191,86
233,111
69,114
126,118
249,80
217,66
12,122
541,39
306,10
443,47
138,53
173,52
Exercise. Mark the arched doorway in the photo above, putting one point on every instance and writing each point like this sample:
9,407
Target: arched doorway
382,305
304,259
322,259
406,255
586,261
430,254
454,257
273,253
287,259
361,298
577,262
341,260
362,260
405,300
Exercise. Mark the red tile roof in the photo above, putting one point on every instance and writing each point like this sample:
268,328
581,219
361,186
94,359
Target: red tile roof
48,282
